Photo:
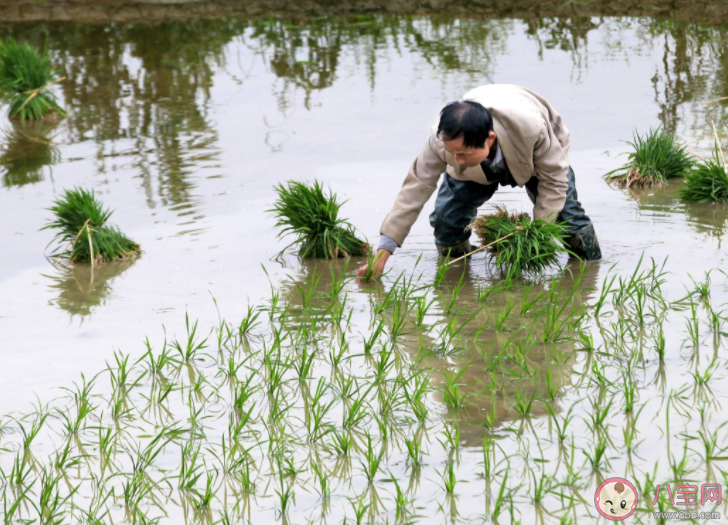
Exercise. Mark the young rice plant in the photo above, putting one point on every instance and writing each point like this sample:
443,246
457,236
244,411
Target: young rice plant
706,182
312,216
532,246
25,75
80,222
655,159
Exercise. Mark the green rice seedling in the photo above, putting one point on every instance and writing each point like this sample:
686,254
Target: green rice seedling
360,509
401,501
249,321
707,181
400,314
415,393
554,320
693,325
453,298
452,437
560,424
356,412
338,281
192,346
502,316
370,341
604,293
312,217
190,468
25,76
324,482
531,247
449,479
523,405
341,441
597,458
30,435
451,393
629,389
371,461
712,451
422,306
656,158
530,300
82,233
9,512
21,470
316,425
414,451
500,499
51,506
284,491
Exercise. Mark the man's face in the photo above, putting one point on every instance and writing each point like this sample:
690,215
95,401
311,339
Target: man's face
469,157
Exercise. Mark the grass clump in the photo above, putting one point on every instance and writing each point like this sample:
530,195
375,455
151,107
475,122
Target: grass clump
80,221
25,74
312,216
532,247
655,159
706,182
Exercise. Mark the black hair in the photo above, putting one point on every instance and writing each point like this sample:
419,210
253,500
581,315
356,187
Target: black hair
468,119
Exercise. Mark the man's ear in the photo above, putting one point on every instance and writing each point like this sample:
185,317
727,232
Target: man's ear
491,139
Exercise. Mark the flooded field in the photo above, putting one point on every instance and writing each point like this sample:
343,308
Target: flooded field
211,382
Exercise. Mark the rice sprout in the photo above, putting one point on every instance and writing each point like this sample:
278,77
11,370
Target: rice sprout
312,217
25,75
82,232
706,182
532,247
655,159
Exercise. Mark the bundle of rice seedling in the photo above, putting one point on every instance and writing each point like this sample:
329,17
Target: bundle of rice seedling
655,159
25,75
83,235
706,182
310,215
528,247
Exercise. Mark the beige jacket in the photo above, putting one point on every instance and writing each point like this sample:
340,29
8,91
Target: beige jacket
534,142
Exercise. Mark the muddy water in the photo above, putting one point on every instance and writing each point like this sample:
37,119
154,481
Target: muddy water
184,129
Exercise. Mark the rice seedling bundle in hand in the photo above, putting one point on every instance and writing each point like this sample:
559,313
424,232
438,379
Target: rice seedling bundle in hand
25,75
706,182
312,216
82,232
655,159
532,247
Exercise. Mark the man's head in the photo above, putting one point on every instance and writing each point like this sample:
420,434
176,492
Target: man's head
466,130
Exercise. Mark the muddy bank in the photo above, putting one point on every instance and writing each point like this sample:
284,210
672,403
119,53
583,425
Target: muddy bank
703,11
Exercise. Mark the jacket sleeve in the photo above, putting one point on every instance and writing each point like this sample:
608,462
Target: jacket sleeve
551,164
418,186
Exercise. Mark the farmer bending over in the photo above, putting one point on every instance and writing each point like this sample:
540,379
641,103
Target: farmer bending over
498,135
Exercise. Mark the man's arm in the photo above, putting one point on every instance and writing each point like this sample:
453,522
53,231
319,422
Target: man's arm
420,183
552,167
418,187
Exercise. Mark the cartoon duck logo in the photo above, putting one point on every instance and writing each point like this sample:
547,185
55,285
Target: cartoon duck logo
616,499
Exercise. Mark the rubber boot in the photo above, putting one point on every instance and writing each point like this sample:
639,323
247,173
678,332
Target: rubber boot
584,244
456,250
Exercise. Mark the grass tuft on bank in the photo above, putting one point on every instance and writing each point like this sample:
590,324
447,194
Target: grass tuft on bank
82,233
312,216
656,158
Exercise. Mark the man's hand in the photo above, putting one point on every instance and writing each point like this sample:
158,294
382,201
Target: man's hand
375,268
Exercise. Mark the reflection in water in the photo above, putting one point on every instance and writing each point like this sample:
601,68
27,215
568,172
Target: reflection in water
27,149
142,92
82,287
529,370
663,205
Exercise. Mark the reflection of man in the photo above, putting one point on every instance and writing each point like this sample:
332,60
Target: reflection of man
498,135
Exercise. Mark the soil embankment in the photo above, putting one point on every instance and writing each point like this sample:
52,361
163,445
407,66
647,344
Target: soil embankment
703,11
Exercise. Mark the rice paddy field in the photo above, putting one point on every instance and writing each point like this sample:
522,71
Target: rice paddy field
210,381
